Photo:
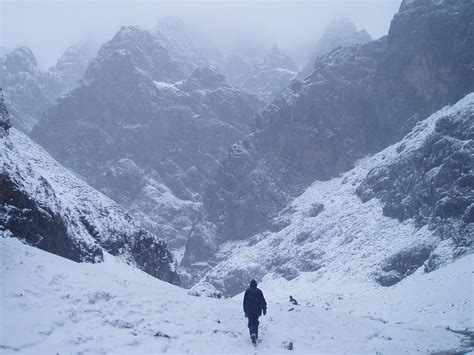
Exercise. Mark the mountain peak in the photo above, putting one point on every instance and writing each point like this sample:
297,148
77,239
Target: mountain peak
133,49
339,32
133,30
21,59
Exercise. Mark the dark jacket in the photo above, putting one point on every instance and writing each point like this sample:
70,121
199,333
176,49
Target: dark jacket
254,302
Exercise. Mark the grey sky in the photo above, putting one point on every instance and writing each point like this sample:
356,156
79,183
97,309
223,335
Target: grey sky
48,27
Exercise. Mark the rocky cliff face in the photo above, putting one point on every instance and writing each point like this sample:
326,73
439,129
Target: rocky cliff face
432,185
46,206
340,32
264,75
148,131
358,100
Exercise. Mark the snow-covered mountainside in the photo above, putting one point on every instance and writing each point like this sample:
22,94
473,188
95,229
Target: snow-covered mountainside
30,91
52,304
358,100
146,132
344,231
264,75
340,32
47,206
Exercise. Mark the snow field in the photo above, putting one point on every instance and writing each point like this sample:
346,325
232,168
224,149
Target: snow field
51,304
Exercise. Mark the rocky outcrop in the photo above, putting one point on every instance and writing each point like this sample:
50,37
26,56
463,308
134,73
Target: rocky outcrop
33,216
146,132
358,100
264,75
340,32
432,184
39,223
46,206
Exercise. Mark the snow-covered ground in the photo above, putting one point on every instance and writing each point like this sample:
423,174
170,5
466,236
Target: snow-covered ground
52,305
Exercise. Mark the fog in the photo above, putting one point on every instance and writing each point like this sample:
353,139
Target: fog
49,27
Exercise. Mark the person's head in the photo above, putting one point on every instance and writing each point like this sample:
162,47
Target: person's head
253,283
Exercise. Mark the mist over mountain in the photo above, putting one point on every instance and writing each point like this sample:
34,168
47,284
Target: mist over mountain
30,91
317,149
265,75
340,32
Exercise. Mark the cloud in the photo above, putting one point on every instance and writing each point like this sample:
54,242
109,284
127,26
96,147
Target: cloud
48,27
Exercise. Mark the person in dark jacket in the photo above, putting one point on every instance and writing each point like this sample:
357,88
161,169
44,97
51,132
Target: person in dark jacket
254,305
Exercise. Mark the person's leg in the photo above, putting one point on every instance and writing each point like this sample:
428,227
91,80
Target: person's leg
256,326
252,325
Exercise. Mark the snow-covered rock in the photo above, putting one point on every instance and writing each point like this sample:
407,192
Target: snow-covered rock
45,205
431,183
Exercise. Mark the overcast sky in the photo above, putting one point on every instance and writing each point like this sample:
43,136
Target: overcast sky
48,27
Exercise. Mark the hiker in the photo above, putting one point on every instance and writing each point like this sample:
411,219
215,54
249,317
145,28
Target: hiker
254,304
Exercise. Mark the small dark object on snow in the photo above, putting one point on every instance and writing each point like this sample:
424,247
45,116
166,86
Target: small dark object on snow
288,345
294,301
163,335
254,305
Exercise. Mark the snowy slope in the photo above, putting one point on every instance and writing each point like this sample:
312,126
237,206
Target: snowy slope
52,305
331,233
46,205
